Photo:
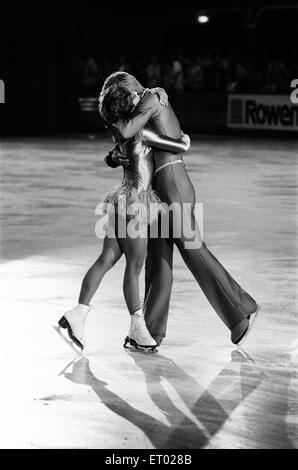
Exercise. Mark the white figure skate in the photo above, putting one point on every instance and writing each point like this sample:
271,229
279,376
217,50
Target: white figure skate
73,321
138,335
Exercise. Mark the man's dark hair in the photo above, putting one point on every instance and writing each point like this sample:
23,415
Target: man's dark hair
115,103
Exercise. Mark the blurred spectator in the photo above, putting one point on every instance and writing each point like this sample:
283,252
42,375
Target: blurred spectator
195,77
90,74
277,79
177,76
153,72
122,65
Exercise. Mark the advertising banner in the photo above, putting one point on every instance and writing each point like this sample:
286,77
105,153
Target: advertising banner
273,112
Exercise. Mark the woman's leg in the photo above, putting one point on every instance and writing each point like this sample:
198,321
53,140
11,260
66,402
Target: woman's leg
74,320
111,253
135,252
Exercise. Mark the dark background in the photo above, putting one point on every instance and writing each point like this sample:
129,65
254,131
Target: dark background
43,42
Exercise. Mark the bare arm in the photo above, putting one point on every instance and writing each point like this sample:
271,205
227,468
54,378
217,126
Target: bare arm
139,118
154,139
151,139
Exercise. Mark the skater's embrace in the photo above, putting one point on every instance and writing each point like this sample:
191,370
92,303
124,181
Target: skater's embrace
154,177
134,192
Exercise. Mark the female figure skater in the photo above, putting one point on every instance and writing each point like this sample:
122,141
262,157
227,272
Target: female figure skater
135,188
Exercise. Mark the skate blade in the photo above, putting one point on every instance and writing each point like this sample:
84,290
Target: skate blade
132,345
67,341
63,323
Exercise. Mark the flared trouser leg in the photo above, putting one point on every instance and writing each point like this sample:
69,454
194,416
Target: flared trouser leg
229,300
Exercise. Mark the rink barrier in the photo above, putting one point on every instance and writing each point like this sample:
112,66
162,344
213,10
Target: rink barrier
215,112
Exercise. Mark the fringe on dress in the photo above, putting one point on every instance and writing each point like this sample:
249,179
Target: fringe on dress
131,203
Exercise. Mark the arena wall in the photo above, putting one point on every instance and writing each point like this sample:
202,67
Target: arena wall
216,113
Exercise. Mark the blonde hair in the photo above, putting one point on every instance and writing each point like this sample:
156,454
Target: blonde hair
115,102
125,80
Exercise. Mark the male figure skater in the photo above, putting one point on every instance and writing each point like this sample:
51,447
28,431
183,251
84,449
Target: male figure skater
235,307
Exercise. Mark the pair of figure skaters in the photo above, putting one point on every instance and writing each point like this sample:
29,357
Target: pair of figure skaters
149,146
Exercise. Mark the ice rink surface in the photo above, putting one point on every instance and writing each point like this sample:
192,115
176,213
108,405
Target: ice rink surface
199,391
